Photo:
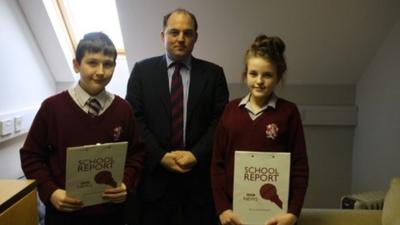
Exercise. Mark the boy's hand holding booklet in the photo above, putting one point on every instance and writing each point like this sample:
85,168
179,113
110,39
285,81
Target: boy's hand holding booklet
261,185
90,169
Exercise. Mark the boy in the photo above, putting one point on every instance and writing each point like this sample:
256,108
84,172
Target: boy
73,118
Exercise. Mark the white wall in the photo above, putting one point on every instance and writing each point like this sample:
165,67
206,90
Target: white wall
328,42
25,79
376,142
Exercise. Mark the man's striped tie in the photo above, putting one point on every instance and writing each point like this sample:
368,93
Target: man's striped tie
177,109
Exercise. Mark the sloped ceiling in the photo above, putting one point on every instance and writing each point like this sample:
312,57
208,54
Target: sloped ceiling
328,41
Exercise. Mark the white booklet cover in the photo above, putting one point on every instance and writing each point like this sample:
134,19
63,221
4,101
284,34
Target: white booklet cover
261,185
90,169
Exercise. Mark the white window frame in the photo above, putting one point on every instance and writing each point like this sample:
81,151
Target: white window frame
69,28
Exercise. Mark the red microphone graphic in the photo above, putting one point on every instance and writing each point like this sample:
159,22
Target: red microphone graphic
105,177
268,192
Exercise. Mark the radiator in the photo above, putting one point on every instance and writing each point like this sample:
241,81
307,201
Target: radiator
364,200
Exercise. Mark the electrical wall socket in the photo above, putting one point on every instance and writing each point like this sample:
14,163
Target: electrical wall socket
6,127
17,124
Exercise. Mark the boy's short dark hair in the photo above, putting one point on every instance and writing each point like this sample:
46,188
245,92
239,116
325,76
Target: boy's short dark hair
95,42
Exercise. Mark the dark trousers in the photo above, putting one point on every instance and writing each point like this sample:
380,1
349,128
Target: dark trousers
167,213
176,207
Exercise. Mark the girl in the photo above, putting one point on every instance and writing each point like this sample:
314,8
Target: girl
260,122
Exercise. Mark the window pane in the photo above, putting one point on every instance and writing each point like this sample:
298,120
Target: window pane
94,15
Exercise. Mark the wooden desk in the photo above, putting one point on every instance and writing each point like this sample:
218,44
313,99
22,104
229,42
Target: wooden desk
18,202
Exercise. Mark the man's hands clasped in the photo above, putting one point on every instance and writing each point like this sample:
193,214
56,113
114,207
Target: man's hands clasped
180,161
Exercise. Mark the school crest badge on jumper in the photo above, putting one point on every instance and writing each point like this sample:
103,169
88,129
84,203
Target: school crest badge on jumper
272,131
117,133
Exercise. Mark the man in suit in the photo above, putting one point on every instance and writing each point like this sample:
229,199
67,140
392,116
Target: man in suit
177,124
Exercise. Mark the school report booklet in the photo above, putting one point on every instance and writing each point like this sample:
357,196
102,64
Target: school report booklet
261,185
90,169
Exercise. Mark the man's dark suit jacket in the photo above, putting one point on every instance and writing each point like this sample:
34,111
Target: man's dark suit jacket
148,93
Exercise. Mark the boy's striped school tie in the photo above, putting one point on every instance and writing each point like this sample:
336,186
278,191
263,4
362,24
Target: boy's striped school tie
94,107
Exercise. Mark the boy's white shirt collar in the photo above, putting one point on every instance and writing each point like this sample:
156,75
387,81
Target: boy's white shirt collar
82,96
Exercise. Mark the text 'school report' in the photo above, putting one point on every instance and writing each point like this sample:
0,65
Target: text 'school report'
90,169
261,185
